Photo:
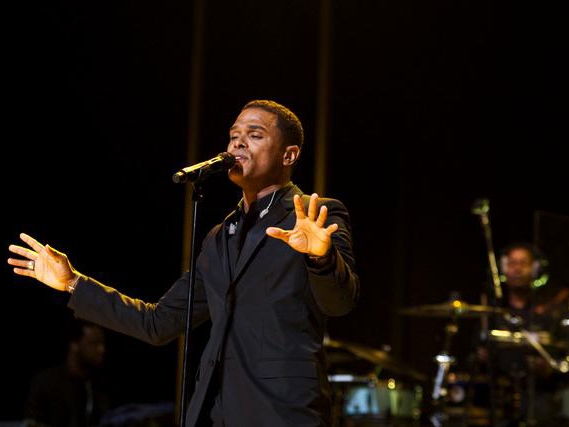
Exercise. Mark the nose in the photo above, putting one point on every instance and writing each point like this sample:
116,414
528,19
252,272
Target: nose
239,142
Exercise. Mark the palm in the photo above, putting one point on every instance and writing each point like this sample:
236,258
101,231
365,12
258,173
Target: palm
308,235
50,270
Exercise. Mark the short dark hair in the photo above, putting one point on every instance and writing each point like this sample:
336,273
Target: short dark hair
76,329
530,248
287,122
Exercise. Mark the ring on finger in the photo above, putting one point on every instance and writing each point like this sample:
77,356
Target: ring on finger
31,265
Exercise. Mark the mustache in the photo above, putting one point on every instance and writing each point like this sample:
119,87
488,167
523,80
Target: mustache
241,154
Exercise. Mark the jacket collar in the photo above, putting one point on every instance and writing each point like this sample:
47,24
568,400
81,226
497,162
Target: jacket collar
257,234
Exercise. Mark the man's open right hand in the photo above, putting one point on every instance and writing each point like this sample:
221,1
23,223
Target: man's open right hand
43,263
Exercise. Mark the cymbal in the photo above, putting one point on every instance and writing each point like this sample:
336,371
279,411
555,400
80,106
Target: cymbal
376,357
456,308
517,339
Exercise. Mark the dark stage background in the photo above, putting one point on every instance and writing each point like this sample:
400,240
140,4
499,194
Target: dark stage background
432,105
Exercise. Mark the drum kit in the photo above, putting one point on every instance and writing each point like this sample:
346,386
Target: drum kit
372,388
391,393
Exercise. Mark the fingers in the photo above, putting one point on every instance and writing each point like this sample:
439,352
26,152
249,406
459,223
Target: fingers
25,272
299,207
34,244
313,207
321,220
18,262
23,251
53,253
331,229
278,233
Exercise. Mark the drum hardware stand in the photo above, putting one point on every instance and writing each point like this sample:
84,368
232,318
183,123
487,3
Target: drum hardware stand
530,416
485,340
481,208
444,361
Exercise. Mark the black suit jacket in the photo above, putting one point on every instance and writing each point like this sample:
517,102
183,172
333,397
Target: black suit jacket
267,321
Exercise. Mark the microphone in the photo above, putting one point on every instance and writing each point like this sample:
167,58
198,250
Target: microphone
221,162
480,207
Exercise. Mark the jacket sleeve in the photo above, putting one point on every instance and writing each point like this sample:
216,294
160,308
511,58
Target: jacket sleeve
156,323
335,285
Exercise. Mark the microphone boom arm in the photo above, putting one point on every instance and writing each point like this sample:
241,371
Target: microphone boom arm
481,208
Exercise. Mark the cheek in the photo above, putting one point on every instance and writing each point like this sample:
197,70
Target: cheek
274,157
270,163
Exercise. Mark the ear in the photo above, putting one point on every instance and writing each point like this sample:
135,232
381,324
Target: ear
503,264
291,155
535,269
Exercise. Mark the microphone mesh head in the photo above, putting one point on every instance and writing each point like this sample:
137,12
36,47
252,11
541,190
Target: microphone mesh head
228,160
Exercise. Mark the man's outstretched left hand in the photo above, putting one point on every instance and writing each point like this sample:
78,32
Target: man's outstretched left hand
309,235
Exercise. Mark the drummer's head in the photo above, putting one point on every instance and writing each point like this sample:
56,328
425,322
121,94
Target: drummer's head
519,265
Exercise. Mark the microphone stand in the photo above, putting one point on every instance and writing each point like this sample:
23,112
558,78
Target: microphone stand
187,387
196,175
481,208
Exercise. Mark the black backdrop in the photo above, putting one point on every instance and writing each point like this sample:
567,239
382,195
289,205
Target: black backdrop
433,104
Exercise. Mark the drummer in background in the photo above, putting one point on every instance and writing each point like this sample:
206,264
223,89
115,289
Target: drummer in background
521,266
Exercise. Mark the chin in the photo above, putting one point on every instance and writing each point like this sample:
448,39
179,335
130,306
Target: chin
519,286
236,177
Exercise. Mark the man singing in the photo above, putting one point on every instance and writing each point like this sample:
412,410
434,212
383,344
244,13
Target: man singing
267,298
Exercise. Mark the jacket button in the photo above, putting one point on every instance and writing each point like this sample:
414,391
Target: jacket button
211,363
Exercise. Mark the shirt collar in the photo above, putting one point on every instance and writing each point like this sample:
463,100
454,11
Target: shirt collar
264,202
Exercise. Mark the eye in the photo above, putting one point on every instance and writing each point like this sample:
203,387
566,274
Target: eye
256,135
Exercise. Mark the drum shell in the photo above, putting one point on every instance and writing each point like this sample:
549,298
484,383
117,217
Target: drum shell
467,397
366,401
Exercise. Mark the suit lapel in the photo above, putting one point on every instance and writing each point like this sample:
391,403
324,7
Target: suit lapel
258,234
222,245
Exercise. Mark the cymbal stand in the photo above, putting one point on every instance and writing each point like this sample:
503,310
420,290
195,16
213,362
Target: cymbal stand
444,361
481,208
